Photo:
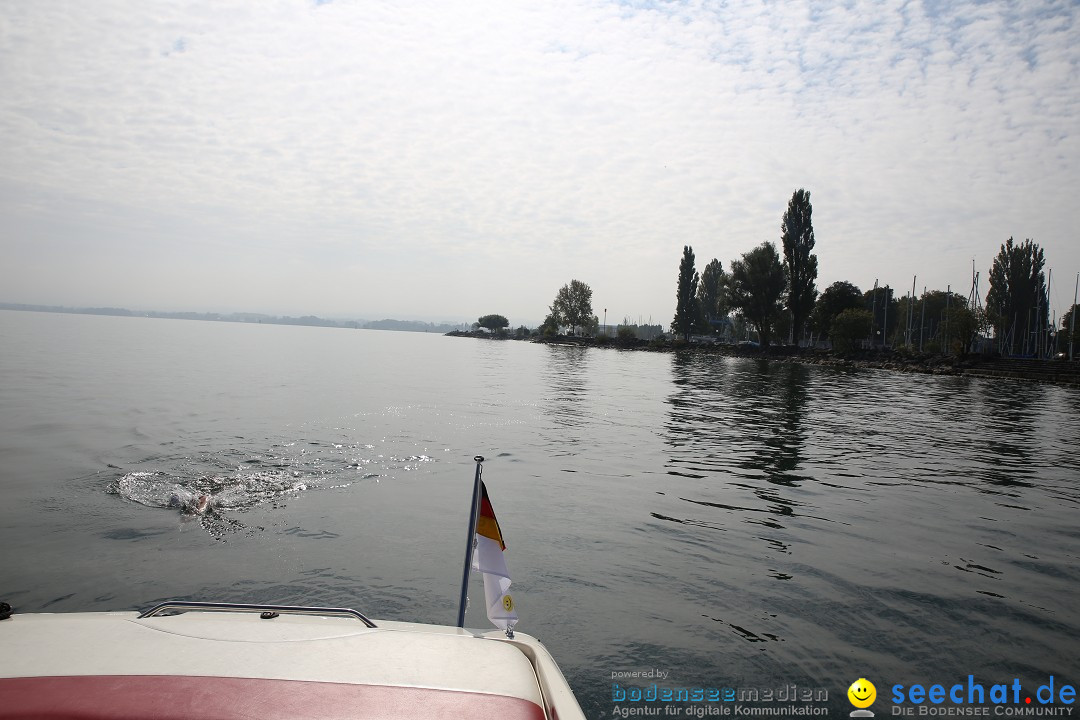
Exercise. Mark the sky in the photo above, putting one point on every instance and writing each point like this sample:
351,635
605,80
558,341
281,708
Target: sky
445,160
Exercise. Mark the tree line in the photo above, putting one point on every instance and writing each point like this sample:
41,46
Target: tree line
776,296
771,294
571,309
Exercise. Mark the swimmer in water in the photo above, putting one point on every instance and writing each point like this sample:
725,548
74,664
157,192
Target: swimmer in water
188,504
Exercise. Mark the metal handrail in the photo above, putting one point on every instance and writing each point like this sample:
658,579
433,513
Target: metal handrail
183,605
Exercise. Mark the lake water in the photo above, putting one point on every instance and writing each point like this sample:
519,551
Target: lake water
732,522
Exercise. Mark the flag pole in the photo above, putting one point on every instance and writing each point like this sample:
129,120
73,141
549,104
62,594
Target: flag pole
469,545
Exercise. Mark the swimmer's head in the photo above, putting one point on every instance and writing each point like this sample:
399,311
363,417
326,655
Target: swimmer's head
190,504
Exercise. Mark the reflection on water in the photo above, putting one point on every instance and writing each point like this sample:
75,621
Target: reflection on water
1005,424
747,425
566,377
855,515
732,521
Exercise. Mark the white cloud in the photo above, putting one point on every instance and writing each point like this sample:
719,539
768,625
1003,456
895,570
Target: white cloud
507,148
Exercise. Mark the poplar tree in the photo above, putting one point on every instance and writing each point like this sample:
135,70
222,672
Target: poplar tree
800,266
687,310
1017,298
711,291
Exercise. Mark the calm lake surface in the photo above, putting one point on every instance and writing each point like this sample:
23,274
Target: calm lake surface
735,523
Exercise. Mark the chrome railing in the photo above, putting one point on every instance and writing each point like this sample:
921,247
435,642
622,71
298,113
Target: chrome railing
267,611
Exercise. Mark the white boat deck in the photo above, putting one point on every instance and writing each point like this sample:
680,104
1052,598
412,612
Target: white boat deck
224,665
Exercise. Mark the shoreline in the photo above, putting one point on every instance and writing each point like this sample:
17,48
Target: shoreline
1054,372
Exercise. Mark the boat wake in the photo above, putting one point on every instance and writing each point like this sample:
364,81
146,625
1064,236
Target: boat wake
213,487
222,492
209,498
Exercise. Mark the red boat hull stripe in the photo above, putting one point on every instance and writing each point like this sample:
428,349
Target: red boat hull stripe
184,697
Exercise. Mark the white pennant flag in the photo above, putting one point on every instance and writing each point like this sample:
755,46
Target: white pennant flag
488,558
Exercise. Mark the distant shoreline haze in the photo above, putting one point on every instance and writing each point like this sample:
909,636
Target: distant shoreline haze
246,317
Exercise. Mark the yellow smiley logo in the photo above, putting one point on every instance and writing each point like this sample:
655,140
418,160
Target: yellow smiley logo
508,603
862,693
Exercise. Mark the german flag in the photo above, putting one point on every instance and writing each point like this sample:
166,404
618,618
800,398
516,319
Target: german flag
489,559
486,524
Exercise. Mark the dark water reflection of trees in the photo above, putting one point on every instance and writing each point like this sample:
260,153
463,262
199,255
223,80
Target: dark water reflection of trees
737,431
990,435
751,422
1006,424
566,375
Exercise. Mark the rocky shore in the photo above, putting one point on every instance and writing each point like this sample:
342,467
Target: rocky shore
1058,372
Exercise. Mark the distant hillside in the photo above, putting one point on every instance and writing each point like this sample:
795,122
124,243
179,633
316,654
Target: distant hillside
414,326
60,309
308,320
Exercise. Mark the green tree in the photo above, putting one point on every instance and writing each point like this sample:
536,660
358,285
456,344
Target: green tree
965,325
836,298
1070,330
572,306
934,318
884,307
493,323
782,327
592,327
849,328
800,266
756,288
712,292
550,326
687,310
905,317
1016,302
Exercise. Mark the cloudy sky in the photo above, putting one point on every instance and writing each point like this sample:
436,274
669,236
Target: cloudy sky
443,160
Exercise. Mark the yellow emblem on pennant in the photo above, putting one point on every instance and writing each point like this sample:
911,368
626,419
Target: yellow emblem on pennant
508,603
